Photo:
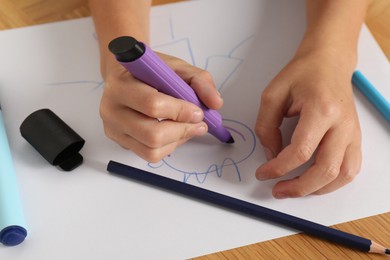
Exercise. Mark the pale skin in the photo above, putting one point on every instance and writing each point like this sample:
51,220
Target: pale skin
315,86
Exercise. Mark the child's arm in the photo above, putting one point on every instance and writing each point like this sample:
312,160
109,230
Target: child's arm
117,18
316,86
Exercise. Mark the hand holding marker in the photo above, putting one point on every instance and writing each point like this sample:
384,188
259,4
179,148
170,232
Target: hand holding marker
146,66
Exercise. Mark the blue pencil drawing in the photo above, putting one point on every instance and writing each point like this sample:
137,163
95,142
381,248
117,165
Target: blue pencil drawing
95,84
212,159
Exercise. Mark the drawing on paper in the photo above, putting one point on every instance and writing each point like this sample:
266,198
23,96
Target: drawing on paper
212,159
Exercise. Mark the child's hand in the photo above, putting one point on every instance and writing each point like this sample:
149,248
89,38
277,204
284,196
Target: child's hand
317,88
148,122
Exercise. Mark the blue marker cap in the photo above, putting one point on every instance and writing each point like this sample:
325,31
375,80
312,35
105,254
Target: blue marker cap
12,235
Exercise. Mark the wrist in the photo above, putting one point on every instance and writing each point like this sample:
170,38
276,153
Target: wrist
109,66
333,29
335,52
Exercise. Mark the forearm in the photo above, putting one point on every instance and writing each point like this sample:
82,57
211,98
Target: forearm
333,27
114,18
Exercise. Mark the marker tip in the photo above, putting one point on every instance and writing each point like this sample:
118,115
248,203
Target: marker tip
230,141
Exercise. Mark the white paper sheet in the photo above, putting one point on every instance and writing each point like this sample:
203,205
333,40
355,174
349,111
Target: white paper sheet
89,214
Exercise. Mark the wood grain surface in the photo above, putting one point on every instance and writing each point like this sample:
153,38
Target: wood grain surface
20,13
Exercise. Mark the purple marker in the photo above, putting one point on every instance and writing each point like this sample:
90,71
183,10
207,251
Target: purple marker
146,66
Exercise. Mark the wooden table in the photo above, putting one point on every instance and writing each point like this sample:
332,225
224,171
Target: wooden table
21,13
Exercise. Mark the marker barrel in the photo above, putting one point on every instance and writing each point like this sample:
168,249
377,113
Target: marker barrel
12,222
372,94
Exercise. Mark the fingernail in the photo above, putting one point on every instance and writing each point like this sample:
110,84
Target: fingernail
280,195
220,96
201,130
261,177
269,155
197,116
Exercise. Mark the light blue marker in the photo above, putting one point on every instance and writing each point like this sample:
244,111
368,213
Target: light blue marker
12,223
372,94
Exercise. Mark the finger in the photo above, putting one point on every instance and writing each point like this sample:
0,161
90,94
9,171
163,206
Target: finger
156,134
307,135
147,153
348,171
151,132
269,119
325,169
203,84
200,80
148,101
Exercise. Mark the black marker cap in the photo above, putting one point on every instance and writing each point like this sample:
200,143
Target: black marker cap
126,48
53,139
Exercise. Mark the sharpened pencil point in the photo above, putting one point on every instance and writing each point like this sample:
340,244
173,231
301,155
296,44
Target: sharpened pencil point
231,140
387,251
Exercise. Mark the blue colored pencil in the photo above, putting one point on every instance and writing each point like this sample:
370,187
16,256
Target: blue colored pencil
372,94
247,208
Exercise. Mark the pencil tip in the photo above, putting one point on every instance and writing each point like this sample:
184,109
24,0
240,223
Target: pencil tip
230,141
387,251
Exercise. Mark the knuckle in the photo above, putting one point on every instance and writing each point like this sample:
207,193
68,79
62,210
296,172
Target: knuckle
330,172
188,131
268,96
348,175
276,173
154,139
183,113
108,132
185,133
103,111
260,131
125,146
328,109
304,152
102,114
153,156
154,105
205,75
